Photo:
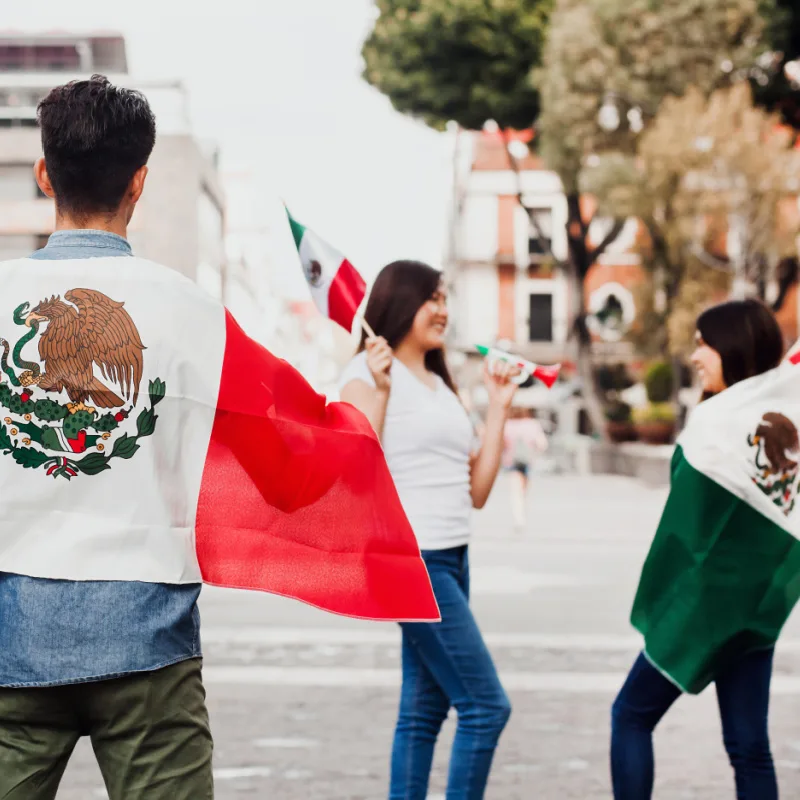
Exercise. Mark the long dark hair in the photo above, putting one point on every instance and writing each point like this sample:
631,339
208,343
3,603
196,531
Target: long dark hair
399,291
746,335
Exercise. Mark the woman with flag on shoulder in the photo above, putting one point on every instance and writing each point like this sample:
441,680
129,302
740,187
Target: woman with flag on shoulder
723,571
401,382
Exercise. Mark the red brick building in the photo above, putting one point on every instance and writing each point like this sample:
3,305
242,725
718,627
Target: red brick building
500,266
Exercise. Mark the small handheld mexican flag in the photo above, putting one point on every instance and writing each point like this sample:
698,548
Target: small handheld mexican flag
723,573
336,286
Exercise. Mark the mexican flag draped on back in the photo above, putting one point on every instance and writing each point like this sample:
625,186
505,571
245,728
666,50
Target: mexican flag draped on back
145,437
723,573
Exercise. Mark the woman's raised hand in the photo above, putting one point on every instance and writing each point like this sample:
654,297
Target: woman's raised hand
379,361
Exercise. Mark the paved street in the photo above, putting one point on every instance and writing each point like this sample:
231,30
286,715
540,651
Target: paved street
303,704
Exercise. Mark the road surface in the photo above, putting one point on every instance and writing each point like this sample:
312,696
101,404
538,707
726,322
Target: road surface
303,703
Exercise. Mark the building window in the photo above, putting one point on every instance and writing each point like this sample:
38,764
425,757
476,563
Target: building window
540,235
612,310
38,58
17,122
540,319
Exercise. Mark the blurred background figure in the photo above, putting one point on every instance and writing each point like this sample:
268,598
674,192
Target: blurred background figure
524,440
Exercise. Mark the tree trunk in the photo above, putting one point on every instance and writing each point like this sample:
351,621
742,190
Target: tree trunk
672,289
584,361
586,372
580,261
668,277
675,399
787,275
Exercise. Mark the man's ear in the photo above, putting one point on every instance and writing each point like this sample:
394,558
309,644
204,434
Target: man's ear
42,178
137,184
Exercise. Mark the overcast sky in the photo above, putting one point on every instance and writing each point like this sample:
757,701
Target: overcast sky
277,84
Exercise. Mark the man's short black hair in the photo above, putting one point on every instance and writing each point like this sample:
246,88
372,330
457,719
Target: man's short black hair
95,136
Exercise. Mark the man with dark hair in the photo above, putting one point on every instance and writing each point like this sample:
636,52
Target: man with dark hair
149,446
96,139
112,655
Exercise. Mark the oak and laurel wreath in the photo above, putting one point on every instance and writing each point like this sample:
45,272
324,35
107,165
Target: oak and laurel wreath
48,410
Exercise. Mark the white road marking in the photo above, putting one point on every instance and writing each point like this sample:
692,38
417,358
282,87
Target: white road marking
349,677
575,765
521,768
298,774
389,635
381,634
499,581
286,744
237,773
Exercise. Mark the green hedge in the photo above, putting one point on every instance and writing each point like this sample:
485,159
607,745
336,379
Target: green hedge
658,382
618,412
655,412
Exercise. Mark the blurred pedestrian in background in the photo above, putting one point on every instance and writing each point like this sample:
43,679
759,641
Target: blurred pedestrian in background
524,440
400,380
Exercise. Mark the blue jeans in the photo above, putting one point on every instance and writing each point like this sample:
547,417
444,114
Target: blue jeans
743,698
447,665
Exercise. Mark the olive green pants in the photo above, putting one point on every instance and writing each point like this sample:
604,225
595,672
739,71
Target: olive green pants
149,731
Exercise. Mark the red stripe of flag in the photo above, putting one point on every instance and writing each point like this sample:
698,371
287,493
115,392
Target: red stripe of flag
345,295
296,498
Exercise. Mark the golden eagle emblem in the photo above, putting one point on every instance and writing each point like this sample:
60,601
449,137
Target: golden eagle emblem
314,273
777,459
94,330
90,349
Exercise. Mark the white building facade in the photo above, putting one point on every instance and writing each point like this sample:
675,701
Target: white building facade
501,265
180,221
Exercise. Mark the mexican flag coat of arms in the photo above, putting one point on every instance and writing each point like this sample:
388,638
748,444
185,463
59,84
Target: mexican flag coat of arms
145,437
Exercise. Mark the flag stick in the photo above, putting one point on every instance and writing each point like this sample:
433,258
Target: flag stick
368,328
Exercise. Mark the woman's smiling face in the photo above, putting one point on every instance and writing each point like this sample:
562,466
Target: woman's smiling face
708,364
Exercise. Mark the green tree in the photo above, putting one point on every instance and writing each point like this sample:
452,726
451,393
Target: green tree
774,88
474,60
462,61
459,60
607,66
707,171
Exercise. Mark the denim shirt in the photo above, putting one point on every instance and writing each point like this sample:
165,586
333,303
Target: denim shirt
56,632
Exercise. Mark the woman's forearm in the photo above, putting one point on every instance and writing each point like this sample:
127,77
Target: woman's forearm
487,464
371,401
375,411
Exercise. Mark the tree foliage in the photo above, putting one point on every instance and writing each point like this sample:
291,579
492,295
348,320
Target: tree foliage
635,52
774,89
558,62
709,180
463,60
629,55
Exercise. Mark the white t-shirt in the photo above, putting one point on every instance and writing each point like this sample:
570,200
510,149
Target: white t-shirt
427,439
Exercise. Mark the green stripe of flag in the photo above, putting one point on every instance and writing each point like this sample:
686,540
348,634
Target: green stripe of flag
720,580
298,230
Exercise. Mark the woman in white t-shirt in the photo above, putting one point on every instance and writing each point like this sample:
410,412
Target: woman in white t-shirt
401,382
